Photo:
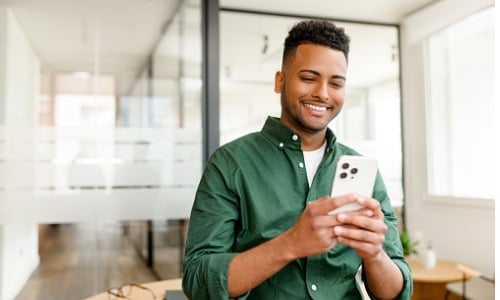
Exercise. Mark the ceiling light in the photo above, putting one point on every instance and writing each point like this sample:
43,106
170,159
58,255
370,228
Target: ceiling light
81,75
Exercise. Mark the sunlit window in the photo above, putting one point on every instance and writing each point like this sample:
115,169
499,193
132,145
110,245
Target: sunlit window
460,105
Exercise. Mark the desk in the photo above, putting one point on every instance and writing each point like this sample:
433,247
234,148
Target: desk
158,288
431,283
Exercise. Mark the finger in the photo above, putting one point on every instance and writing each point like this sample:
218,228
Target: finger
360,212
325,221
361,247
326,204
368,203
360,235
376,225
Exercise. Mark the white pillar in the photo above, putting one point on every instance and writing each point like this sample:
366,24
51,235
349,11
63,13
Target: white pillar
19,79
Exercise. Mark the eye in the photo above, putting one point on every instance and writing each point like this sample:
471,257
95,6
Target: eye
307,78
337,85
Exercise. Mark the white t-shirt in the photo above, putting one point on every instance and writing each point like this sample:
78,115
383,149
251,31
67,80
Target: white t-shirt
312,159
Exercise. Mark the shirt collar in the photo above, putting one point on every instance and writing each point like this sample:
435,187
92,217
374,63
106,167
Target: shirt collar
283,136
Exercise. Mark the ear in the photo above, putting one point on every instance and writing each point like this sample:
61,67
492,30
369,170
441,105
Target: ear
278,82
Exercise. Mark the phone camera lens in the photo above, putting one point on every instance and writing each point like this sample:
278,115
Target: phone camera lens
354,170
345,165
343,175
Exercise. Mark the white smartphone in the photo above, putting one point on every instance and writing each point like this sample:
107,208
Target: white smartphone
354,174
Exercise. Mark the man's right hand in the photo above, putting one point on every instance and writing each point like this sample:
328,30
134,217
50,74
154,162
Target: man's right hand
314,231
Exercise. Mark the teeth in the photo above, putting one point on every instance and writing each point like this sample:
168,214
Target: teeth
314,107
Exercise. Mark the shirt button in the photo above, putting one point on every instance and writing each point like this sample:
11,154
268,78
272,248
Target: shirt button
281,145
301,165
314,287
295,137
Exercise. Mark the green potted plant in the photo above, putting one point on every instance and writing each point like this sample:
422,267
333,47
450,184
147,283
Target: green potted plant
409,246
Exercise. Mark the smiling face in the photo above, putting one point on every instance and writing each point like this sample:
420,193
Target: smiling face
312,88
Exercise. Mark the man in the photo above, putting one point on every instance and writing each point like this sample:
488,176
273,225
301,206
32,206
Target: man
259,226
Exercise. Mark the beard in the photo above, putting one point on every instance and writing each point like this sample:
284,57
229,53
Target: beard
293,116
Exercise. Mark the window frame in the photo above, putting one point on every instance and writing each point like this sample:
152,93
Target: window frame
430,198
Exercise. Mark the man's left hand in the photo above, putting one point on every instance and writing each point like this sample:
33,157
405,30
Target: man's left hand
362,232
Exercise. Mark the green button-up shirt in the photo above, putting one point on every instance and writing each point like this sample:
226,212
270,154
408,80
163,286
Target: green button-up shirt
252,190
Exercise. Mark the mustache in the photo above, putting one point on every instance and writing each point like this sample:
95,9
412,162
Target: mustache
317,102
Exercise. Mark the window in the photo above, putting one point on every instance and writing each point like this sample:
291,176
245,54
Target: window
460,108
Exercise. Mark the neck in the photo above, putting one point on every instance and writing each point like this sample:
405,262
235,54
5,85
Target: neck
312,142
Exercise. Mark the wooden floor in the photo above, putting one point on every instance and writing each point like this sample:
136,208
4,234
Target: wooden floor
80,260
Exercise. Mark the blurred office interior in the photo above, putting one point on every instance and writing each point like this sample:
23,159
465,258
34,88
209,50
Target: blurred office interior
110,109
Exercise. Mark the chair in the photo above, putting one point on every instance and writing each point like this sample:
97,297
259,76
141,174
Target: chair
474,285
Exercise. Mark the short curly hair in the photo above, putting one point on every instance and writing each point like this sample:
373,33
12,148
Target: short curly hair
319,32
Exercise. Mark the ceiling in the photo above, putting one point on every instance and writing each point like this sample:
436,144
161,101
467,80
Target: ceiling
109,37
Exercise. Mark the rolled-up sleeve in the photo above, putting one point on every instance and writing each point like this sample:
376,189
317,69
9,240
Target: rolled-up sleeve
392,244
211,234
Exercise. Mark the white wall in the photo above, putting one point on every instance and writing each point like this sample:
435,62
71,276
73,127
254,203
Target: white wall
19,243
22,80
460,232
19,69
3,60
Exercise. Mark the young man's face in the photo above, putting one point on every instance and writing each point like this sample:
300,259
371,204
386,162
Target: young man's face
312,87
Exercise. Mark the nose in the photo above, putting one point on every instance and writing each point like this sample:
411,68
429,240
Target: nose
321,91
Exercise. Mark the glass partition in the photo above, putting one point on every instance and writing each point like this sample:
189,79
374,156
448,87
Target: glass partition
176,86
99,135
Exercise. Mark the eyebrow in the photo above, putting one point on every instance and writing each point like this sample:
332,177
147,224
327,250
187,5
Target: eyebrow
318,74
